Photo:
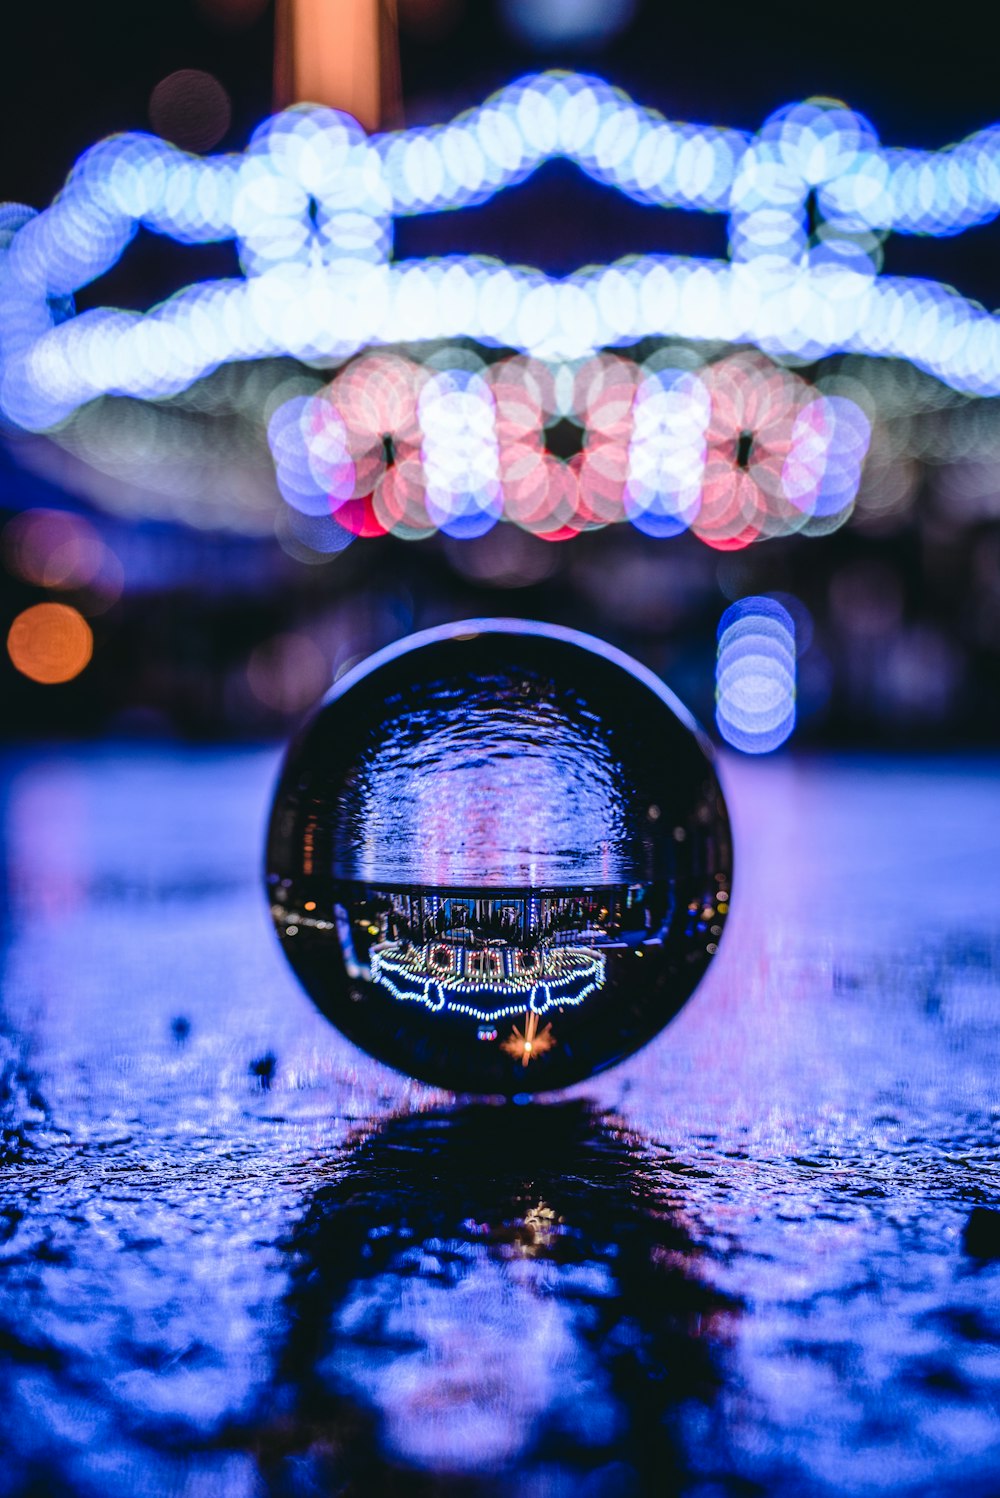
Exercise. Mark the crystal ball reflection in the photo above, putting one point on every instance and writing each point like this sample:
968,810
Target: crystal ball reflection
499,857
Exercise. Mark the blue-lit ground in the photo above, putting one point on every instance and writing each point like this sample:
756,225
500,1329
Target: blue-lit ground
240,1258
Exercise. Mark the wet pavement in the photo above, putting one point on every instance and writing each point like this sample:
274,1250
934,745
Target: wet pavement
240,1258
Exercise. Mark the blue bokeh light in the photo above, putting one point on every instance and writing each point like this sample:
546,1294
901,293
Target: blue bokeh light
567,23
755,675
310,204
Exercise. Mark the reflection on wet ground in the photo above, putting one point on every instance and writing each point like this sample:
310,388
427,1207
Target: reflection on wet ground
459,1309
238,1257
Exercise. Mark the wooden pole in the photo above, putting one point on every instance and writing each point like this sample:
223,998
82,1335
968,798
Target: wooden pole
344,53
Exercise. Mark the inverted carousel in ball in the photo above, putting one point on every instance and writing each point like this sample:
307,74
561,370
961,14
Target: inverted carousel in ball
499,857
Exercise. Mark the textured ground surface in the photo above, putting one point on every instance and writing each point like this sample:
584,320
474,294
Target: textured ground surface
238,1258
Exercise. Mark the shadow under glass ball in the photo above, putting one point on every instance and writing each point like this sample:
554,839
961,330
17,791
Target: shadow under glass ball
499,857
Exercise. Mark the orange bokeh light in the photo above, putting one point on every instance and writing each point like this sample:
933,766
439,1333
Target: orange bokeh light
50,643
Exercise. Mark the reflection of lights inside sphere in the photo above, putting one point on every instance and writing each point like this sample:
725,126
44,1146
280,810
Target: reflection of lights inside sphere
50,643
499,857
755,675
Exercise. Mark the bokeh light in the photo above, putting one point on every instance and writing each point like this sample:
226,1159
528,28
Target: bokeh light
60,550
755,675
288,673
323,392
736,450
190,108
555,24
310,203
50,642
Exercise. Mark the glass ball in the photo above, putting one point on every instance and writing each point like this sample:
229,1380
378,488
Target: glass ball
499,856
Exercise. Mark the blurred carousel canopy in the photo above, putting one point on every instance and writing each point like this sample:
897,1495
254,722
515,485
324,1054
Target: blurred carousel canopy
782,389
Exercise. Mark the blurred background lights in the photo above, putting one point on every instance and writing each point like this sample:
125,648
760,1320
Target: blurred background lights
310,204
61,550
190,108
288,673
53,548
736,450
341,375
755,675
50,643
561,24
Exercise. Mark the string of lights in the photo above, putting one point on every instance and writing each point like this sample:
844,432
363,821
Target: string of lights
735,450
310,206
574,974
